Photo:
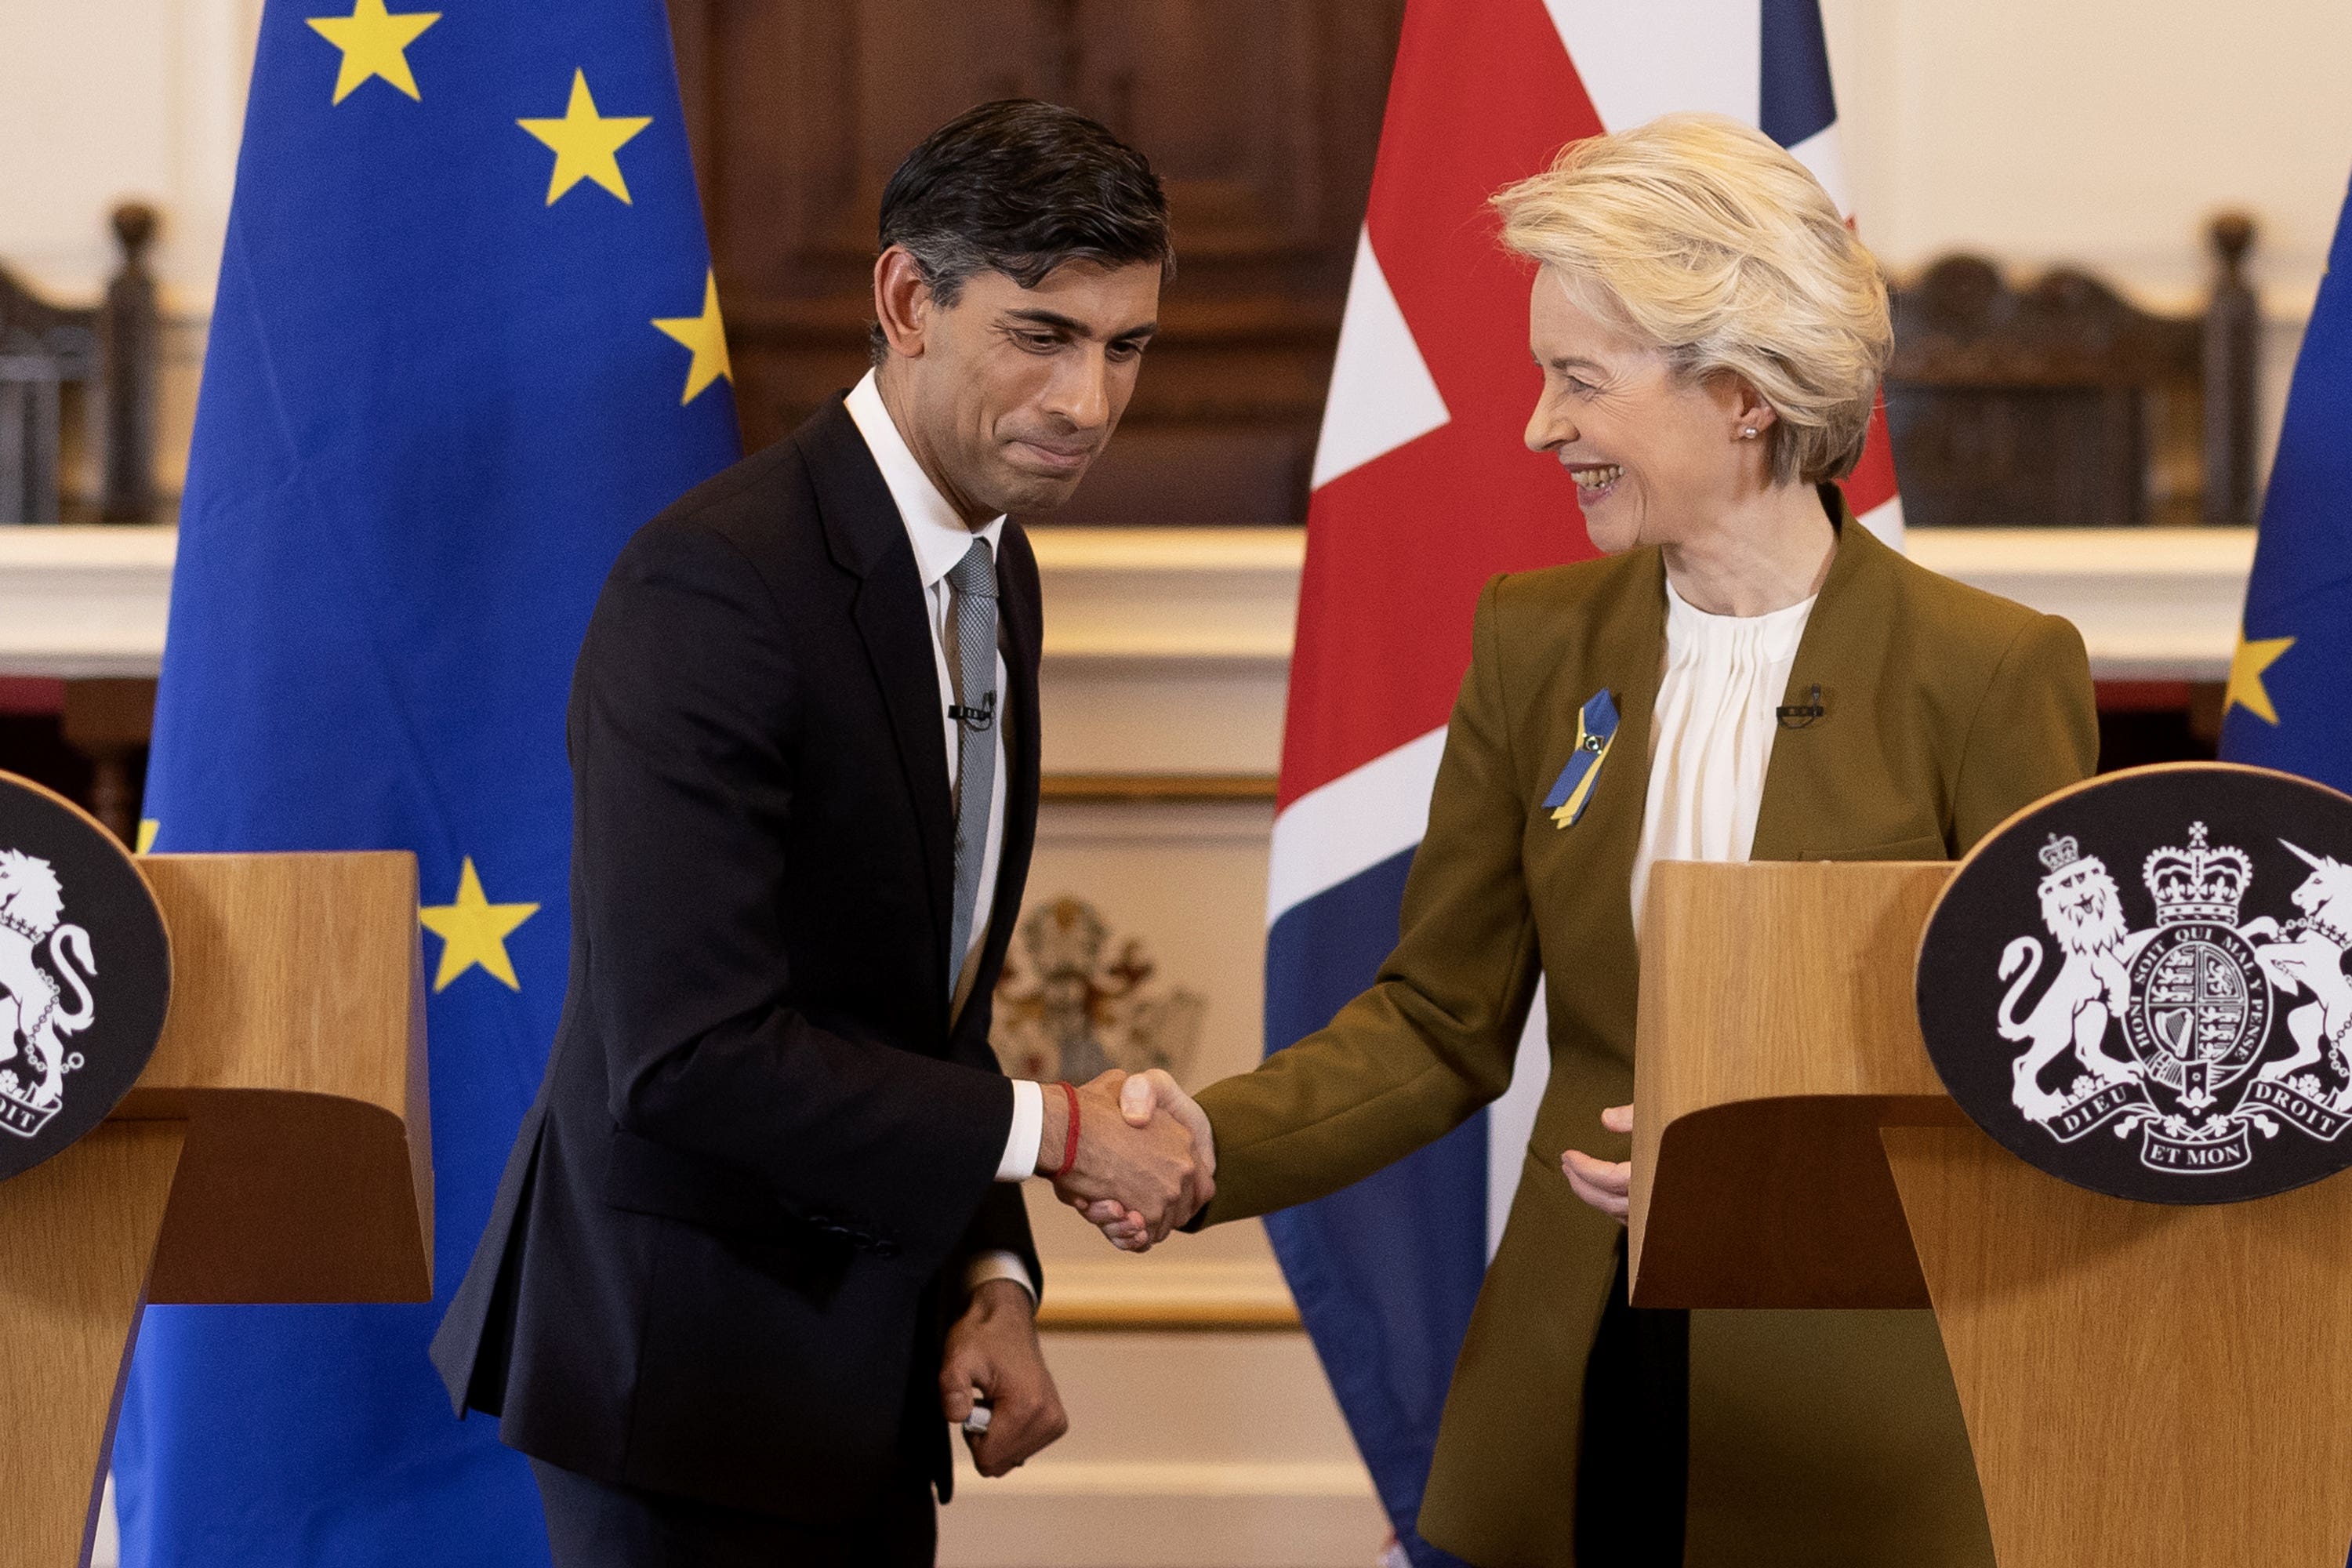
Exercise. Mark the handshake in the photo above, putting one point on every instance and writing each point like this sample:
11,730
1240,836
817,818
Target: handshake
1145,1160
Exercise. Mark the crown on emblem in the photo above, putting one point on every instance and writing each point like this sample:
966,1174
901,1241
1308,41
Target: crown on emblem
2198,883
18,1113
2060,853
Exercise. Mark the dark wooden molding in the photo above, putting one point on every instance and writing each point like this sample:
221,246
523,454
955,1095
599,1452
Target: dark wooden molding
1166,1317
109,722
1134,787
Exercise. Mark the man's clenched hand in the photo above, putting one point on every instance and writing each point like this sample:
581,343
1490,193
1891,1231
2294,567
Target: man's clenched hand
993,1353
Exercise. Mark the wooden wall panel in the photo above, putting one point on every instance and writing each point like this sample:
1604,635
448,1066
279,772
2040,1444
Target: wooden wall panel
1262,117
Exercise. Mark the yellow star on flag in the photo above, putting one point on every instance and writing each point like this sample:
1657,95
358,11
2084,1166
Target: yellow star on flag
474,930
585,142
2246,665
371,40
706,336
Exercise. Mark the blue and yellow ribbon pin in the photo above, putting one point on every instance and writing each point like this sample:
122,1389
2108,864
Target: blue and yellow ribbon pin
1596,732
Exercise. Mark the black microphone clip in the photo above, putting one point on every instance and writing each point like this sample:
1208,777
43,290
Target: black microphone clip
979,717
1798,715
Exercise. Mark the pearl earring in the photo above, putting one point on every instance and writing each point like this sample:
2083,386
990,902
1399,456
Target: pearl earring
1748,432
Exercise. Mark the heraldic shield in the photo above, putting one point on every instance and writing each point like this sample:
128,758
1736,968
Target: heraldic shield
84,973
2139,985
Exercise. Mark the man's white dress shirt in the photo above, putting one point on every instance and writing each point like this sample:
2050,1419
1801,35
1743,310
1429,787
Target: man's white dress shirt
1711,732
942,540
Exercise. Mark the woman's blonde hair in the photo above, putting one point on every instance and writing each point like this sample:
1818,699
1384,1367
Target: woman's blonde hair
1702,238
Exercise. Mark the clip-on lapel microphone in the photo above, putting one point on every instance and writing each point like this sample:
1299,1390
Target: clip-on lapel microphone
1798,715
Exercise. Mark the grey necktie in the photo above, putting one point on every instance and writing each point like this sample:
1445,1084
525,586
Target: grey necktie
971,659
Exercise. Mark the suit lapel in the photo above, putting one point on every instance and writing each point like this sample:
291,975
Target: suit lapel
1625,650
1022,624
1800,779
866,536
890,618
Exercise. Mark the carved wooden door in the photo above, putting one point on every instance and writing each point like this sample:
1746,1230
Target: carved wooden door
1262,117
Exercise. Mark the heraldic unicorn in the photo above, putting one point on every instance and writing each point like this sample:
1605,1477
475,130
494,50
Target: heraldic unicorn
2191,999
40,958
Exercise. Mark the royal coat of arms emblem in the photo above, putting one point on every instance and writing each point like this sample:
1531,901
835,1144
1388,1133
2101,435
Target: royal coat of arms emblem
1073,1004
35,1019
71,1044
2201,1053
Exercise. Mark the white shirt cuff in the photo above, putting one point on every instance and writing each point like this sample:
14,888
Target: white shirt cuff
1021,1146
990,1266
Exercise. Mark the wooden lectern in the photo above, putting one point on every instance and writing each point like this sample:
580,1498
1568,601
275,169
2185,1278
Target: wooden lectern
2145,1386
275,1148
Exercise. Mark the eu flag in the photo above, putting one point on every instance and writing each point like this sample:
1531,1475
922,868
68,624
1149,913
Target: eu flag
465,341
2290,696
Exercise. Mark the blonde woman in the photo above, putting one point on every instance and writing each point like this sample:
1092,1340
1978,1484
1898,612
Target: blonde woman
1711,337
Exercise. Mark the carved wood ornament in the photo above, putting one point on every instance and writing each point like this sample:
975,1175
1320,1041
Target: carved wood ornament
2058,402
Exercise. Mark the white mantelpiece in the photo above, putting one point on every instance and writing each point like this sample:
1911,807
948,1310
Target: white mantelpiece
2153,604
79,602
1168,650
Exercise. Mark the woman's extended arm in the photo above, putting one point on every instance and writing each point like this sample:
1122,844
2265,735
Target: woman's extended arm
1433,1039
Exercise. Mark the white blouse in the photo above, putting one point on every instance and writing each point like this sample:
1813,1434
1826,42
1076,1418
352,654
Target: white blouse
1711,732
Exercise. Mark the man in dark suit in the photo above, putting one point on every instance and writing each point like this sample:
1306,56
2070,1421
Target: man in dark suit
762,1236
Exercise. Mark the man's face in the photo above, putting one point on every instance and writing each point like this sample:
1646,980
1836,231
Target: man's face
1012,392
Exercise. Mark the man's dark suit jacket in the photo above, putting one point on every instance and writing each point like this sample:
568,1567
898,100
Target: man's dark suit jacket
728,1238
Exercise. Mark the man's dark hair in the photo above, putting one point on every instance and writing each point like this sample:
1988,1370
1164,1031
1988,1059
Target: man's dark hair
1020,187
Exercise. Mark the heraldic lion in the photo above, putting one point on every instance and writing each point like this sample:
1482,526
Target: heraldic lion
31,1021
2084,915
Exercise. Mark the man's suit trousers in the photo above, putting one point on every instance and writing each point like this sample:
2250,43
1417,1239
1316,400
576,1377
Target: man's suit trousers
592,1524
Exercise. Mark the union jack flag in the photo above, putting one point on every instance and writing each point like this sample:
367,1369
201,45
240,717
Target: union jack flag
1421,492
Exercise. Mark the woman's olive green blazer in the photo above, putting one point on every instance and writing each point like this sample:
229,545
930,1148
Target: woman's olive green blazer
1947,709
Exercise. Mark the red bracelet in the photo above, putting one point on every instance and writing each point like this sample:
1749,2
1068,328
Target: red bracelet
1070,1143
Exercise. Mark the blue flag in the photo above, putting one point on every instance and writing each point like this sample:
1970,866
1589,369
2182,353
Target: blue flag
2290,697
466,341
